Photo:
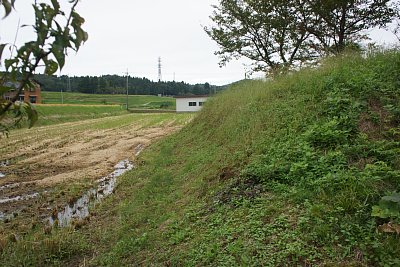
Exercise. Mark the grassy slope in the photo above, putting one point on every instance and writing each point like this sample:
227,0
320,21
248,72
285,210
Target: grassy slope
276,173
135,101
269,173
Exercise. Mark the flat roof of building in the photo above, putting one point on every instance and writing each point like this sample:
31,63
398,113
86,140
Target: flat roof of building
191,96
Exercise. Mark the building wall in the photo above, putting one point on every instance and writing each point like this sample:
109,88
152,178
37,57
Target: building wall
182,104
32,95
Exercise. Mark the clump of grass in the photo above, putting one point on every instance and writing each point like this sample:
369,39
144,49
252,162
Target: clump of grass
50,249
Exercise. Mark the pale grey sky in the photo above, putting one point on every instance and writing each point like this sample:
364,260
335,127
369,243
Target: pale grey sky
132,34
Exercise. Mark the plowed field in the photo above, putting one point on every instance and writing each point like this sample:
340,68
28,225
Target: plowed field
44,167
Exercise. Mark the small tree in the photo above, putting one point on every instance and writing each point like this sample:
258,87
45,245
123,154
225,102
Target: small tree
56,32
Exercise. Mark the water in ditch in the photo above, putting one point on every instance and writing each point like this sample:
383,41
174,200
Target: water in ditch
79,209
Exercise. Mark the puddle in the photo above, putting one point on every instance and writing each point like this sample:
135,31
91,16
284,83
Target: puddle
4,163
19,198
5,217
80,208
9,186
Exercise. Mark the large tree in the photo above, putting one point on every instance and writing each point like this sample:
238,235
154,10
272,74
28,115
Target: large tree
56,32
278,35
338,23
270,33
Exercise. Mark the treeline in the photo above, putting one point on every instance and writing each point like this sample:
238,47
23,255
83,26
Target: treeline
114,84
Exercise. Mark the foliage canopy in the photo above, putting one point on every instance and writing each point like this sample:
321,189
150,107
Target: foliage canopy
278,35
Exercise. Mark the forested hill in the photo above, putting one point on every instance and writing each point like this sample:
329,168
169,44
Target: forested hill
115,84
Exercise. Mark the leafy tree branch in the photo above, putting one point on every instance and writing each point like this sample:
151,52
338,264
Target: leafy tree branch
48,50
280,35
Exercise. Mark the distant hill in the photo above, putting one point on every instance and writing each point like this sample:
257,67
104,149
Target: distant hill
114,84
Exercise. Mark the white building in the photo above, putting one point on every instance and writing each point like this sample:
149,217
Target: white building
190,103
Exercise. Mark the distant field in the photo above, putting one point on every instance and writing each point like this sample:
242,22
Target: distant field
135,101
54,114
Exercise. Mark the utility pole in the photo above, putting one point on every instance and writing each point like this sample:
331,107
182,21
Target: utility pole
159,75
62,97
127,88
69,84
159,70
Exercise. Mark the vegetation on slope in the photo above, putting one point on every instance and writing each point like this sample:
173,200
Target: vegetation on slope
272,173
277,173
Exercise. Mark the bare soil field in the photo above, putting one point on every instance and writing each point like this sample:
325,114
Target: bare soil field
42,168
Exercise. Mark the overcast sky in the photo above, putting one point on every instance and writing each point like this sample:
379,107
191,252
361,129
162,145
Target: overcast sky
132,34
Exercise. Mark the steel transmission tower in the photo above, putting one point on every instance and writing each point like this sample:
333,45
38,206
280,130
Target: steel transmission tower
159,70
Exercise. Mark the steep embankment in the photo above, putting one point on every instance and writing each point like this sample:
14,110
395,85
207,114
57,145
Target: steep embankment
273,173
278,173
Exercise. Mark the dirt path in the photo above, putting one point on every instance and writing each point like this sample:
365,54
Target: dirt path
35,161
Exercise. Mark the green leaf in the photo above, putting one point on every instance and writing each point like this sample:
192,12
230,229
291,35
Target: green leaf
389,207
78,20
51,67
32,114
56,5
81,36
58,52
4,89
7,7
378,212
9,62
395,197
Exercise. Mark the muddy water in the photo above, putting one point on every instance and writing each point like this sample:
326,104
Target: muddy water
3,163
19,198
9,186
16,197
79,209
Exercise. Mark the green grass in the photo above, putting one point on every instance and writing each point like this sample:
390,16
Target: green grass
55,114
281,173
135,101
278,173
